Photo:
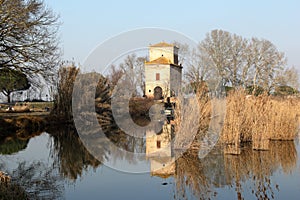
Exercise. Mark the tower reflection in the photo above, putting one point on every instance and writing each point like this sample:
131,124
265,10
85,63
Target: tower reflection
159,149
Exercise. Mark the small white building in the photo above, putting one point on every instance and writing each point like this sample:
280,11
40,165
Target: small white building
163,75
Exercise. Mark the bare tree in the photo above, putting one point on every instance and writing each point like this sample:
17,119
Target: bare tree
198,67
238,61
237,64
183,52
266,62
133,72
289,77
217,47
28,38
114,75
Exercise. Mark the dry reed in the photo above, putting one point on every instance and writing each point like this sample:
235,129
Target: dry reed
258,120
4,178
192,118
247,119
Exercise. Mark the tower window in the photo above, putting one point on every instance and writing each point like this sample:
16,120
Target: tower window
158,144
157,76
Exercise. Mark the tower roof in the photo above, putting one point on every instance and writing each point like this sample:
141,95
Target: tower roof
160,60
162,44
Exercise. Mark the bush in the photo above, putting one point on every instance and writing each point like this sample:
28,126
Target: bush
284,90
254,90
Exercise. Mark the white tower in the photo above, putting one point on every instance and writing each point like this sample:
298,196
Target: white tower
163,75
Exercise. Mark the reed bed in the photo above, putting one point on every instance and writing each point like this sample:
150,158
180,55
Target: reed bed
192,120
259,120
246,118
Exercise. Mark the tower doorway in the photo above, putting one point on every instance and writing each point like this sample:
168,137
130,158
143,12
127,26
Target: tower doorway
158,93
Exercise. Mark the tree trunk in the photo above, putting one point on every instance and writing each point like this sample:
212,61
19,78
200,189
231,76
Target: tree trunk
7,94
254,83
8,97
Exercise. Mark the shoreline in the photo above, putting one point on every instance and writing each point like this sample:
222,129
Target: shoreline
21,114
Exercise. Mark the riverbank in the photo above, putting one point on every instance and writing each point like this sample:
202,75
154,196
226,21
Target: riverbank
19,114
255,119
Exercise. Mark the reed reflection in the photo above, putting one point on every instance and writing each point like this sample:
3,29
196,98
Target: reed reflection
259,166
201,177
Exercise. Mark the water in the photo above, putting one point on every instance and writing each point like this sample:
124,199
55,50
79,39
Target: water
57,166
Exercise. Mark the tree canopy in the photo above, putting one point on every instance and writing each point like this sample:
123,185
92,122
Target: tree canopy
12,80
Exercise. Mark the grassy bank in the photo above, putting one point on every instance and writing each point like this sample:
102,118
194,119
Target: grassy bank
27,107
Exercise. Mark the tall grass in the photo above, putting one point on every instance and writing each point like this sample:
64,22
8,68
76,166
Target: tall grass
259,119
192,118
256,119
63,100
234,122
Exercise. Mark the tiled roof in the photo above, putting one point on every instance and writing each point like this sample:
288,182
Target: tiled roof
162,44
161,60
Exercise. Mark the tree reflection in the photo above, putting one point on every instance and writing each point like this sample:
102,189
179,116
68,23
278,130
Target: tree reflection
69,152
38,180
96,125
11,145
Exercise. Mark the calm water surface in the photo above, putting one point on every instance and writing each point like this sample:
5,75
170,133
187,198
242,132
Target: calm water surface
57,166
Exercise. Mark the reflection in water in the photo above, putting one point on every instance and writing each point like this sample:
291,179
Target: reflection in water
259,166
201,177
40,181
70,153
194,178
190,176
74,156
217,170
15,133
12,145
159,150
36,177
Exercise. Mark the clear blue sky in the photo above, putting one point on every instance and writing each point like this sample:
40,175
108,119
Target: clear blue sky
85,24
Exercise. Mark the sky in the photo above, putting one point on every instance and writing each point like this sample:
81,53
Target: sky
88,23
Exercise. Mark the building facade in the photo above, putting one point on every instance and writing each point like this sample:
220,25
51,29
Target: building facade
163,74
